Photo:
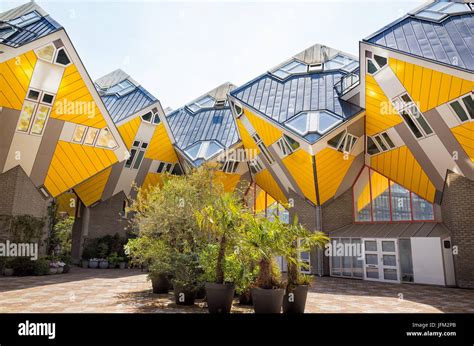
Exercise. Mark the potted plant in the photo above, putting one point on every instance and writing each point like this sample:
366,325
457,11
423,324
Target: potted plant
185,282
60,267
93,263
299,239
113,260
266,239
41,267
53,267
103,263
221,220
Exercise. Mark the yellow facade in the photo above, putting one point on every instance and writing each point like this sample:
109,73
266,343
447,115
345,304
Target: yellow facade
74,102
160,147
129,130
267,132
91,190
427,87
249,144
300,166
265,180
331,167
401,166
15,76
151,179
464,133
74,163
380,115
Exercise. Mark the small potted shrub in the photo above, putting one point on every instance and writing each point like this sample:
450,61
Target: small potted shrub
93,263
41,267
299,239
185,282
113,260
222,220
103,263
266,239
53,267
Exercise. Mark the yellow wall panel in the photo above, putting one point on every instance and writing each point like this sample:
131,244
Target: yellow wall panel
228,180
74,103
74,163
300,166
265,180
267,132
66,203
263,201
406,172
15,76
91,190
465,135
427,87
379,112
160,147
249,144
151,179
128,131
331,167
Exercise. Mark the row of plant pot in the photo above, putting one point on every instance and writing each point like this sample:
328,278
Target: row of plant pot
102,263
41,266
220,297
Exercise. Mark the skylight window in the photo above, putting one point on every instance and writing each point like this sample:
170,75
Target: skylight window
203,150
290,68
25,20
440,10
121,89
313,122
205,102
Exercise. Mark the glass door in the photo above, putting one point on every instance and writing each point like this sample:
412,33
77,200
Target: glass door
381,260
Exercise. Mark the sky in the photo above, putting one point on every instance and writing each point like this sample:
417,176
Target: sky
179,50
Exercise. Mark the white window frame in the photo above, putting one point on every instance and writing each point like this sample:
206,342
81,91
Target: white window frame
384,142
56,56
402,106
236,105
376,64
230,166
257,165
154,116
263,148
138,148
37,104
463,106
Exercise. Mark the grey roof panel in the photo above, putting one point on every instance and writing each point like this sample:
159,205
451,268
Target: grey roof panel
44,26
450,41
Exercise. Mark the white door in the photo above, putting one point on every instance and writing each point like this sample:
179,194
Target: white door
381,260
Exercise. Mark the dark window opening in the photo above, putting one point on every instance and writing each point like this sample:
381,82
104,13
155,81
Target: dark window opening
62,58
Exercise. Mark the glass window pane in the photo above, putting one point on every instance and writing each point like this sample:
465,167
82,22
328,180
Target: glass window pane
380,197
133,152
390,274
212,149
147,116
335,260
413,127
106,139
388,246
401,210
370,245
371,259
40,119
193,151
139,159
389,260
26,115
371,147
421,120
46,53
469,103
79,133
422,209
381,61
346,260
388,140
33,95
380,143
372,273
371,67
357,261
361,191
91,135
299,124
406,262
460,112
326,122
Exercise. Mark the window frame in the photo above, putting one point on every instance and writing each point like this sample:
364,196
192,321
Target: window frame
135,150
463,105
259,142
379,137
37,104
405,108
377,66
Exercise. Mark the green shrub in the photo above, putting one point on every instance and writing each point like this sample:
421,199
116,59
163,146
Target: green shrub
41,267
22,266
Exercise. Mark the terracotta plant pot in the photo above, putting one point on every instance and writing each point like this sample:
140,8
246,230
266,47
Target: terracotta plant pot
160,284
267,301
184,296
219,297
294,302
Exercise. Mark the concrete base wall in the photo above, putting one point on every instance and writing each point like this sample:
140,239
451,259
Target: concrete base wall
458,216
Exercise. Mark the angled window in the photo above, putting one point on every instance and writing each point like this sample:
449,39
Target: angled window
292,67
255,166
79,133
464,108
379,143
121,89
106,140
238,110
6,31
376,64
137,154
25,19
441,9
34,115
263,148
152,117
203,150
91,136
287,145
204,102
219,104
230,166
147,117
313,122
372,148
341,62
46,53
62,57
414,119
343,142
379,199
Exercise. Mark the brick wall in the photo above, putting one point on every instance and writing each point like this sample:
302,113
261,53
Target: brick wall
458,215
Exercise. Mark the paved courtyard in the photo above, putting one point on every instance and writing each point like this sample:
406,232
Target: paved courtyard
96,290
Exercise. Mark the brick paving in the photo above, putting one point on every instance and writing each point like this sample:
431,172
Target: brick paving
96,290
